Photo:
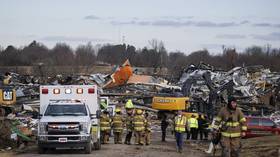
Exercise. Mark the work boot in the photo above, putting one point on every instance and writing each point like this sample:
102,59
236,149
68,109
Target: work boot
180,151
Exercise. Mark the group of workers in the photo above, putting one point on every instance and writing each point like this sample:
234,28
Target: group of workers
194,126
191,127
229,126
135,122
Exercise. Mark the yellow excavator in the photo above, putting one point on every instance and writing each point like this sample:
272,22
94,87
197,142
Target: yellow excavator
169,105
7,98
7,95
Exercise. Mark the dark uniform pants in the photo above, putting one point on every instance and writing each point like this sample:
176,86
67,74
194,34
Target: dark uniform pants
194,133
118,137
163,134
230,146
128,137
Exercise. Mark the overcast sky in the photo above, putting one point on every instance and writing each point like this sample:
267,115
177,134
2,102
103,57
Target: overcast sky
184,25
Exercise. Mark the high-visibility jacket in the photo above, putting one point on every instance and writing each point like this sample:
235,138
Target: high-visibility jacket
139,123
104,122
118,123
232,122
129,104
193,123
180,123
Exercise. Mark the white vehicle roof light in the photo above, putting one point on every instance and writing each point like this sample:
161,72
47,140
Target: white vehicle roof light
79,90
56,91
68,91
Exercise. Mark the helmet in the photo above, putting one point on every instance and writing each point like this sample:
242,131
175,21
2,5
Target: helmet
118,110
129,104
139,111
231,99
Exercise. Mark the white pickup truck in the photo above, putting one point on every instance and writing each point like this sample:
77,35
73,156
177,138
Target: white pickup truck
69,117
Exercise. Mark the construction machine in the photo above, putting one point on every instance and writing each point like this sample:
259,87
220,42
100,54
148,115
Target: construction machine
7,98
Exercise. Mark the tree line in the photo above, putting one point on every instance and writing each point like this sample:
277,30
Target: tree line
155,55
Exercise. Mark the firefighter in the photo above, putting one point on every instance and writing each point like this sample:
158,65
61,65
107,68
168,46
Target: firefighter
105,127
148,129
118,125
129,125
193,126
180,122
233,127
139,127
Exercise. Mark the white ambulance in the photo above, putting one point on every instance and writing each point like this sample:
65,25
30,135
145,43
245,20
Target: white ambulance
69,117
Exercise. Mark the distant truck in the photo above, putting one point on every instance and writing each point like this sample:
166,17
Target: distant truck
69,117
260,126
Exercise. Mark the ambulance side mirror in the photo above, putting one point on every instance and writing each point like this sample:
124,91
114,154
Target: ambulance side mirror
40,116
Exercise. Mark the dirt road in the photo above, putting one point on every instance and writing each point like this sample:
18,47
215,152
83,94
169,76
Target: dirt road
255,147
157,148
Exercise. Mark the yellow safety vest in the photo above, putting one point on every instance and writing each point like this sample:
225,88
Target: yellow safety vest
180,124
193,123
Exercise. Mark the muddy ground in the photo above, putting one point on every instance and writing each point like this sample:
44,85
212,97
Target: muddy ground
255,147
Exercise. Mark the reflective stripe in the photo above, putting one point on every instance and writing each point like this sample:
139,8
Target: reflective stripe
104,128
242,120
139,123
244,128
232,124
139,128
104,123
226,134
117,122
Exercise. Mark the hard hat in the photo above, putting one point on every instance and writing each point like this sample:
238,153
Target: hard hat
118,110
139,111
129,104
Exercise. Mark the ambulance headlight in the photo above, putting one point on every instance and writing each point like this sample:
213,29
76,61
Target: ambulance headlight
84,127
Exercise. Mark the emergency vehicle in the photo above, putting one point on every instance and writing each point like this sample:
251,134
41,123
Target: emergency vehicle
69,117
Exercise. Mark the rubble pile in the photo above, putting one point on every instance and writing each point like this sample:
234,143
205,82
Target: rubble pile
255,87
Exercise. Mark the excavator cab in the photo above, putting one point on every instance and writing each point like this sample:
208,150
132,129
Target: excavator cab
7,97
